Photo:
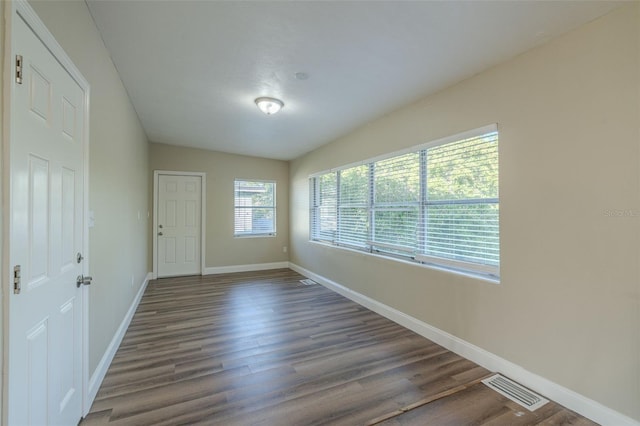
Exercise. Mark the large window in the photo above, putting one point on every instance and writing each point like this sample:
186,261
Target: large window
255,208
437,204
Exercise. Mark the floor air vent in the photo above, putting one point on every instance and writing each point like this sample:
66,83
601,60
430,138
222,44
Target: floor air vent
515,392
308,281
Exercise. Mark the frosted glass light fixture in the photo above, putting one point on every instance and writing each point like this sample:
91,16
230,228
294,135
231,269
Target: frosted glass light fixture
269,105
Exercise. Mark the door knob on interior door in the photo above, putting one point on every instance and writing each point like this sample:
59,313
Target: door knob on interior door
160,233
83,280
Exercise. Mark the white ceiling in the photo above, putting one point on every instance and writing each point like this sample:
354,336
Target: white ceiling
194,68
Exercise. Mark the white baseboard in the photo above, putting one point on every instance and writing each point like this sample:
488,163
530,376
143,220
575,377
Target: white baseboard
563,396
245,268
105,362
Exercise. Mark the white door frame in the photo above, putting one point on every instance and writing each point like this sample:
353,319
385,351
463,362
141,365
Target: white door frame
203,215
20,9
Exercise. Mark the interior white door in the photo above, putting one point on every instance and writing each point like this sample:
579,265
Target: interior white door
179,225
46,234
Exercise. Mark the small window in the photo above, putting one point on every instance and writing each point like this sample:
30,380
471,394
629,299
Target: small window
255,208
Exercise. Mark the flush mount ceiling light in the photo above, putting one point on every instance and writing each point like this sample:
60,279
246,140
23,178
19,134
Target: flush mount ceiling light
269,105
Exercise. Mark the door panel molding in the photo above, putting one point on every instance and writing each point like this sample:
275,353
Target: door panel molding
203,215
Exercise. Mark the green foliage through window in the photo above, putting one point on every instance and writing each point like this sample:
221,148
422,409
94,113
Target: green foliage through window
438,204
255,208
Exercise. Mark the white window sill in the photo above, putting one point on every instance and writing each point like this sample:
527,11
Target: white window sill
255,235
466,273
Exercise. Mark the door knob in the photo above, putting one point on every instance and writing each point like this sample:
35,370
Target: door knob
160,233
83,280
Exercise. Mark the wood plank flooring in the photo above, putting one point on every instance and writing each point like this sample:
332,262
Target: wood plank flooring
263,349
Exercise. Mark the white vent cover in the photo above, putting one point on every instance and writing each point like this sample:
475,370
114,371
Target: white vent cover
515,392
308,281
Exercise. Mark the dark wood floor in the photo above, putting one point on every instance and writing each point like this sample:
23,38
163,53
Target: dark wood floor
263,349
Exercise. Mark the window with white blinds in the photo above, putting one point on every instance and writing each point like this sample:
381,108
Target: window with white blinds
437,204
255,208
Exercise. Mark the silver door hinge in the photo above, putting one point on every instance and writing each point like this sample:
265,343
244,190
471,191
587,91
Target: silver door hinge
16,279
19,69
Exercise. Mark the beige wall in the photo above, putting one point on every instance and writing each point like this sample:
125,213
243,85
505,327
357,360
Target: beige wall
567,307
221,169
118,179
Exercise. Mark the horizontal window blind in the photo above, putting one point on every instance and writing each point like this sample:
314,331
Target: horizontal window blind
396,204
324,217
462,201
255,208
353,206
437,205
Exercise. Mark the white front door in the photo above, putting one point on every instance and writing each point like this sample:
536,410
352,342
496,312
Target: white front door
46,193
179,225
